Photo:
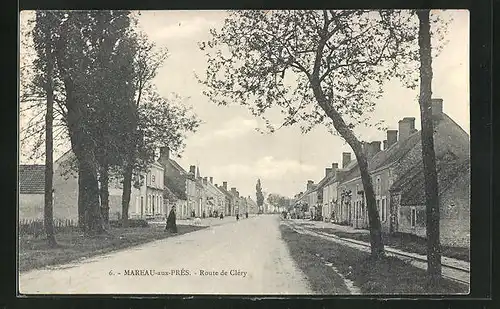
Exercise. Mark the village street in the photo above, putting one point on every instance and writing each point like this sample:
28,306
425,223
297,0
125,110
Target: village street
245,257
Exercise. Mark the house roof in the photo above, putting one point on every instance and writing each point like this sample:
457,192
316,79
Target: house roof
175,188
398,150
32,179
177,166
325,181
226,193
411,185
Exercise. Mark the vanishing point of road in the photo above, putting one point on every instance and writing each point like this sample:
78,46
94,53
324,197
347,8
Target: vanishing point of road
245,257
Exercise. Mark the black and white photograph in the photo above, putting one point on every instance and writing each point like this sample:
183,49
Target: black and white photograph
244,152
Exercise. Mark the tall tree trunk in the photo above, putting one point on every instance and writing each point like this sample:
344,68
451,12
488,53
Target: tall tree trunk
104,192
127,191
428,154
94,222
376,244
49,164
82,224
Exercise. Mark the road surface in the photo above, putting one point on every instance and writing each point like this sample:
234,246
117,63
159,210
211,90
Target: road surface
246,257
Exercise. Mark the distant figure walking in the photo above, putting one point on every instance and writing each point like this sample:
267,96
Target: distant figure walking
171,222
237,217
221,216
246,214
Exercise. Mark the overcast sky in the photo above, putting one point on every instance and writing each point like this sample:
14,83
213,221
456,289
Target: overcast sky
227,146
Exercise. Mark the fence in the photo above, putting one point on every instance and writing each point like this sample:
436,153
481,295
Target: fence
35,227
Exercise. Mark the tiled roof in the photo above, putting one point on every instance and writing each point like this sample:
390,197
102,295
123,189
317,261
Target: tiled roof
32,179
397,151
177,166
411,185
175,189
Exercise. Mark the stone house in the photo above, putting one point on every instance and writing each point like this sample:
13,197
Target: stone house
329,195
201,195
343,208
401,157
31,192
215,198
236,201
146,197
176,183
252,206
229,204
308,199
329,173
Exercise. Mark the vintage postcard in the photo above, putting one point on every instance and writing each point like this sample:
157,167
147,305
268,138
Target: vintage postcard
250,152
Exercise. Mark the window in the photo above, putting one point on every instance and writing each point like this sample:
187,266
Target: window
378,189
413,217
378,208
152,178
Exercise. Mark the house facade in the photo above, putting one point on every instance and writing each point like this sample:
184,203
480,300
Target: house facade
330,198
147,197
175,185
215,197
31,192
252,206
229,203
397,179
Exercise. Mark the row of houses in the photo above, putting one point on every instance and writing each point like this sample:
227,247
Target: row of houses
166,184
398,180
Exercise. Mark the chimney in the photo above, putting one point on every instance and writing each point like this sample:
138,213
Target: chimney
233,191
224,185
211,179
335,167
328,171
392,137
374,148
346,159
192,169
164,152
406,127
384,143
205,180
437,108
310,183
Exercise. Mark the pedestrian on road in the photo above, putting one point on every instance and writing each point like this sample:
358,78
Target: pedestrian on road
246,214
171,222
221,216
237,217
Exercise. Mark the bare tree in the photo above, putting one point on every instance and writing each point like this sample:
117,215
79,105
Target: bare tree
44,41
316,66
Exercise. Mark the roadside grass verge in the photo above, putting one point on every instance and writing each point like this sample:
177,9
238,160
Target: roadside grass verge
35,253
388,275
405,242
322,279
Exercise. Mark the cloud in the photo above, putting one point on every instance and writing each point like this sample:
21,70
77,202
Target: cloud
234,128
266,168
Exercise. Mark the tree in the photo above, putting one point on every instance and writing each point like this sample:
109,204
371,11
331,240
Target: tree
316,66
278,201
147,61
82,41
428,153
259,195
45,51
